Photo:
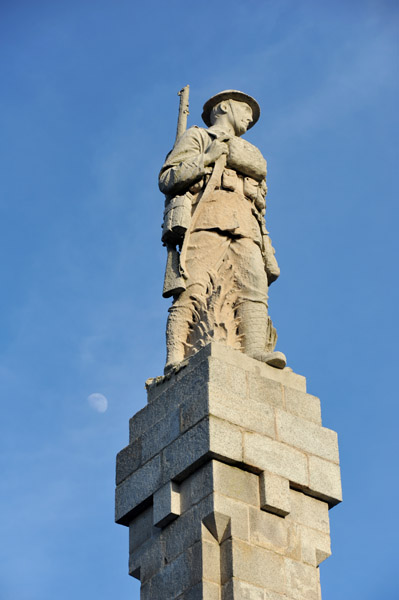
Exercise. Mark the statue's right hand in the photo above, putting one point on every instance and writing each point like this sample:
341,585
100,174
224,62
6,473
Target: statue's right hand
215,150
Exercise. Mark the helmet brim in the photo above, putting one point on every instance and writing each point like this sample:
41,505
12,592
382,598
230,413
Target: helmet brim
230,95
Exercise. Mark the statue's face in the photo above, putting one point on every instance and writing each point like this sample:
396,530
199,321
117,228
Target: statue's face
240,116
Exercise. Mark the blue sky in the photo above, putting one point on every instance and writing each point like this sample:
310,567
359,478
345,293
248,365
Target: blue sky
88,110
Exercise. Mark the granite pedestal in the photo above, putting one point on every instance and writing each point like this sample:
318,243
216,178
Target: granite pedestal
226,483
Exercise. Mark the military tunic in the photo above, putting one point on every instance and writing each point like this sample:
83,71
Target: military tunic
227,226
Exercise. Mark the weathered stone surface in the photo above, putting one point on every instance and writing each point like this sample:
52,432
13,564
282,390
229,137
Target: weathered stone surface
197,486
274,494
236,483
316,546
235,588
269,455
211,561
309,511
184,532
215,185
226,486
205,589
189,449
141,529
325,480
306,436
303,581
252,367
239,513
136,489
146,560
301,404
179,576
160,435
268,530
225,440
166,504
248,564
128,460
265,390
218,525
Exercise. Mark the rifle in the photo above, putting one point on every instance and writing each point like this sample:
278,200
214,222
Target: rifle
183,112
174,283
175,275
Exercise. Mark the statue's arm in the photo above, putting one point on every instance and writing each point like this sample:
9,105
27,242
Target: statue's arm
185,164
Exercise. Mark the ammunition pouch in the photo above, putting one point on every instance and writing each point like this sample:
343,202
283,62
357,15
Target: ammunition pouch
177,218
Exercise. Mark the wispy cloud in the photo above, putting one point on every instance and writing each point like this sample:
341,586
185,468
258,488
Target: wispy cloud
356,76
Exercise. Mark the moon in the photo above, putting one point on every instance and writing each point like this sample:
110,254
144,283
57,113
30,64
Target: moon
98,402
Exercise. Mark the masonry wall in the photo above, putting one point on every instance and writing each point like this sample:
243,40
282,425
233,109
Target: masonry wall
226,483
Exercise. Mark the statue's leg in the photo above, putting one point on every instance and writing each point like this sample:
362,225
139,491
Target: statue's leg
205,252
252,305
254,329
177,329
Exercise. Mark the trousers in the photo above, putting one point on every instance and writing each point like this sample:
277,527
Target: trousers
211,254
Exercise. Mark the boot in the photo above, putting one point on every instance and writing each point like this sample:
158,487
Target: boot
253,327
177,329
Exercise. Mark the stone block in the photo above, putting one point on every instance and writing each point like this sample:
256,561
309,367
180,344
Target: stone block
238,513
210,488
182,533
218,525
307,436
211,437
140,529
235,483
127,461
235,589
194,410
265,391
166,397
254,565
268,530
225,440
151,414
160,435
186,452
191,376
325,480
302,404
302,581
196,486
210,591
309,511
228,406
315,546
136,489
211,561
178,576
269,455
145,591
274,494
273,596
146,560
205,590
166,504
235,358
223,376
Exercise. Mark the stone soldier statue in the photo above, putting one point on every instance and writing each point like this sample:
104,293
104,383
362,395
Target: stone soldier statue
221,260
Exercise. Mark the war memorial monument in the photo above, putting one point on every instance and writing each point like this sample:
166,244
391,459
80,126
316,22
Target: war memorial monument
229,475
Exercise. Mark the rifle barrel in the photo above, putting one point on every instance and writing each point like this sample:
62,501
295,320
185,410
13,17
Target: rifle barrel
183,112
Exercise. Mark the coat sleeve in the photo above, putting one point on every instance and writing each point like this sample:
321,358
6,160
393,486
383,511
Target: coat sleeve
185,164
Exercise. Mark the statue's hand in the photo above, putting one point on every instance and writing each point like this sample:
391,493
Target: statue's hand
215,150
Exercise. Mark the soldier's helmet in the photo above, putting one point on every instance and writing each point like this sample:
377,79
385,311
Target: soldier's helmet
230,95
